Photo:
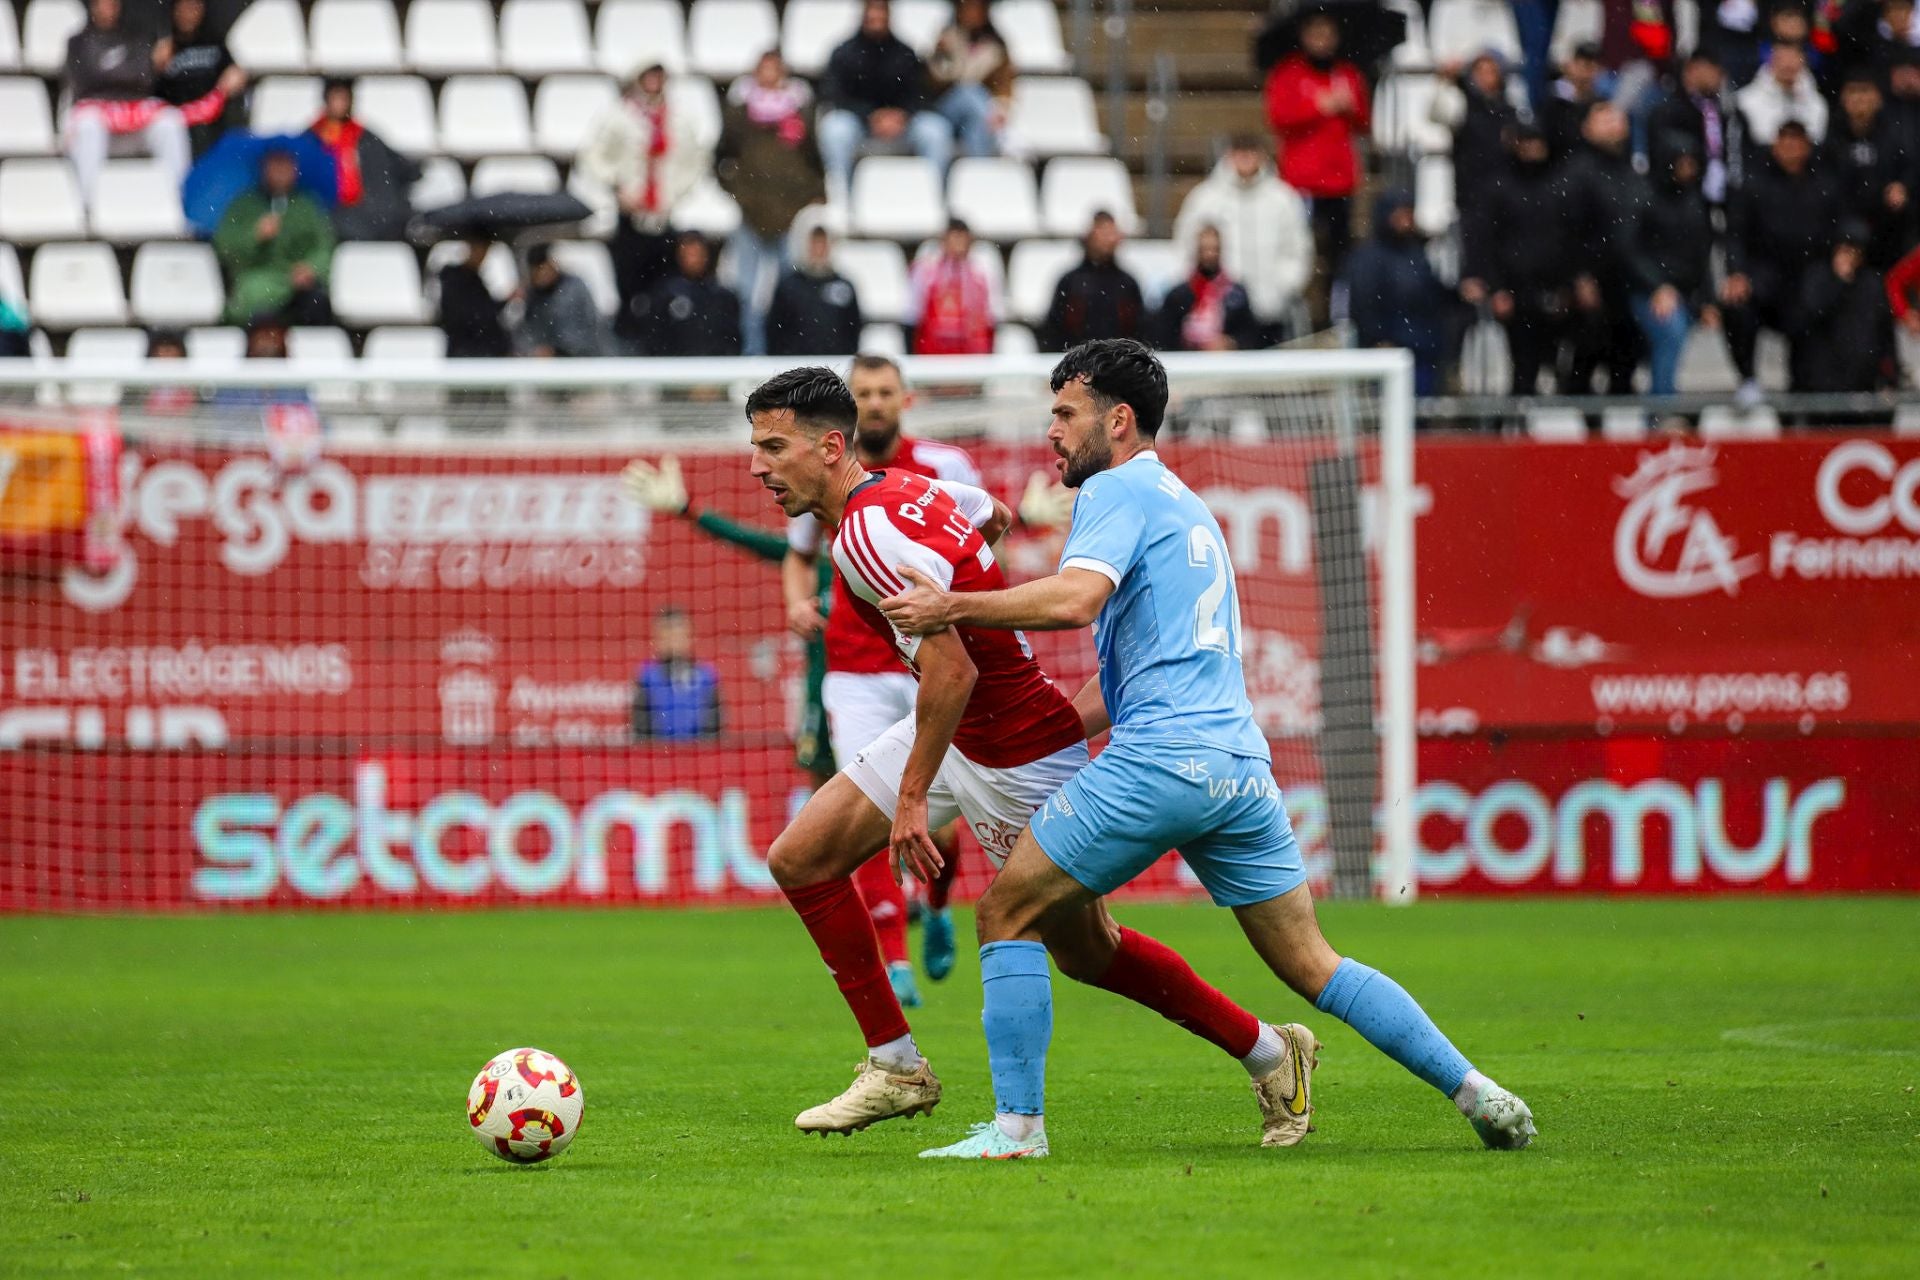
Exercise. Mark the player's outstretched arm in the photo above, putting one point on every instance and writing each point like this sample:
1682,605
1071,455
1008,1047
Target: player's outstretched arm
1066,600
947,677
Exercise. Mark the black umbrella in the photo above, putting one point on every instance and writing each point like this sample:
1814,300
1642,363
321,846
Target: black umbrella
1369,31
499,217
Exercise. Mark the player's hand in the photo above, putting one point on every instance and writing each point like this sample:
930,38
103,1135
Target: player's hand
1047,504
658,488
920,611
912,846
803,618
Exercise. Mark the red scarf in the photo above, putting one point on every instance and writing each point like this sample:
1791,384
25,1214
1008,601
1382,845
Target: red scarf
654,116
342,139
135,115
1207,319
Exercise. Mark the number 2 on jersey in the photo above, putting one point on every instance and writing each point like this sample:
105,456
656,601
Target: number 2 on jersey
1213,627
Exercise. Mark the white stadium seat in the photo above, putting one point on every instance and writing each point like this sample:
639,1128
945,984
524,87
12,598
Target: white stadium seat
563,108
137,200
542,37
629,34
107,346
176,285
1576,22
26,118
726,37
483,116
319,346
44,33
708,210
877,270
883,340
441,182
406,342
1459,29
216,345
399,109
495,174
9,39
1053,115
1032,272
1074,187
375,283
590,260
897,198
1157,264
696,98
919,22
1412,51
1014,340
1031,29
996,197
39,200
448,36
73,285
269,35
348,36
286,104
810,30
1434,210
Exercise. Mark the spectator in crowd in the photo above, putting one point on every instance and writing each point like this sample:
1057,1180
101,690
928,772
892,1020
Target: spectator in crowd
1394,298
675,697
815,311
166,344
875,92
168,402
1696,109
15,330
1096,299
1472,104
1671,259
471,317
951,303
559,318
276,245
1784,90
1846,326
1583,81
690,313
650,156
1730,32
110,80
1603,198
767,160
373,180
1781,223
192,61
1519,268
1318,108
1875,37
1866,152
971,76
1903,290
1208,311
1266,243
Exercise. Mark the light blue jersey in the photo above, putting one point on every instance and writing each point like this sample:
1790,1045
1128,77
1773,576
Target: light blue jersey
1169,635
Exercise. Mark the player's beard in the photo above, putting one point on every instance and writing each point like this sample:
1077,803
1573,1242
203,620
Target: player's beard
1088,461
875,437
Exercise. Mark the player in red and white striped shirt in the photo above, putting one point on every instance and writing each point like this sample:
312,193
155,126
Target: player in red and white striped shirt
866,692
989,739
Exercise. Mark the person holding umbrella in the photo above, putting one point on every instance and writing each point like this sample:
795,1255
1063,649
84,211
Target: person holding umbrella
1318,107
276,244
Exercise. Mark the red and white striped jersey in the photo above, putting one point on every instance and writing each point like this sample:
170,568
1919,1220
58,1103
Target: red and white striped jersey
851,645
1015,715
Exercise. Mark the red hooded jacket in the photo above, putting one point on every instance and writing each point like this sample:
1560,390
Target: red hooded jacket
1316,155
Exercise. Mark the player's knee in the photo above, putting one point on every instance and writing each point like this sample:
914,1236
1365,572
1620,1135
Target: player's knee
792,864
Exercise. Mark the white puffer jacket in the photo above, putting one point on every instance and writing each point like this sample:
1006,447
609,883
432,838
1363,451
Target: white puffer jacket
1265,242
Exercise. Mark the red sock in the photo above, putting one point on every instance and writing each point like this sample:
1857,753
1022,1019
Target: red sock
1153,974
886,903
940,892
838,922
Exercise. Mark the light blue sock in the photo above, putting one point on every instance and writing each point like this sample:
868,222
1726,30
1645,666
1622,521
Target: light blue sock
1018,1016
1381,1010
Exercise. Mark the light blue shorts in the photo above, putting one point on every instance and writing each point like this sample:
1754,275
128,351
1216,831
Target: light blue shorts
1221,811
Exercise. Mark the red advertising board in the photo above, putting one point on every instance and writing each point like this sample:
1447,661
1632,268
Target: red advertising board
1770,585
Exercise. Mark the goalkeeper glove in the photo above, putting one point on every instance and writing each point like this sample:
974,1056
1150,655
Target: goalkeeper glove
1046,503
658,488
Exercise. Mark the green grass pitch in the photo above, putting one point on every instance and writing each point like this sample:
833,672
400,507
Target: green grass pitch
1723,1087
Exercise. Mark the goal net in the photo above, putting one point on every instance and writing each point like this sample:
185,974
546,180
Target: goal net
399,638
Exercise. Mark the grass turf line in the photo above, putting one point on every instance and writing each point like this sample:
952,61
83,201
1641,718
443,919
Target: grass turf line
1724,1087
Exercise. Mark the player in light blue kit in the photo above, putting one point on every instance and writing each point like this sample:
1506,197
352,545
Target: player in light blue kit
1186,768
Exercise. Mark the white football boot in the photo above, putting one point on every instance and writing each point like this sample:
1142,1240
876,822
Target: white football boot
1286,1092
876,1094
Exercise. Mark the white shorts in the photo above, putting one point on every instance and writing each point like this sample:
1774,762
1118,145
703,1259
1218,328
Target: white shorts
997,803
863,705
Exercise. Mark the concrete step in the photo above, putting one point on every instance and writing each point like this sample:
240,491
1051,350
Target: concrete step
1211,49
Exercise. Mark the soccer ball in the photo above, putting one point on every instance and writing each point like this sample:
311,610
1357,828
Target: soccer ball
525,1106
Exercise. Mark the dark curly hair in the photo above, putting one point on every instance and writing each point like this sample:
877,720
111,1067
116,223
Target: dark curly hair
1119,371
